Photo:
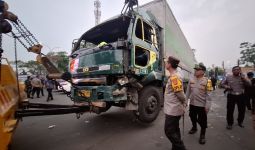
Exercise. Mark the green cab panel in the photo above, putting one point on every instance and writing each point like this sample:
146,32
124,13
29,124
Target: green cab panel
103,62
96,93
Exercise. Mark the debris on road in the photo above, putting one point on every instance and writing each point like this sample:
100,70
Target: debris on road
51,126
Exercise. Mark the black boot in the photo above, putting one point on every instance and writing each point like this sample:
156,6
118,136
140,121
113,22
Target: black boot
193,130
202,137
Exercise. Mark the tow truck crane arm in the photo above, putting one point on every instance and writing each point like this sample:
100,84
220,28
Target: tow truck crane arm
13,102
26,38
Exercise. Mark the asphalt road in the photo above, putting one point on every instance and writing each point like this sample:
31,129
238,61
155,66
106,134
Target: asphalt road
117,129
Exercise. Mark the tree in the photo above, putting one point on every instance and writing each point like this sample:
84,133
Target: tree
34,67
248,53
60,59
19,63
63,61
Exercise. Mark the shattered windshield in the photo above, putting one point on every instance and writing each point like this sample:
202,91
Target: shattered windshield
86,44
108,32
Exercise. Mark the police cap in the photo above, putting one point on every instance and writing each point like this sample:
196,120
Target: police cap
200,66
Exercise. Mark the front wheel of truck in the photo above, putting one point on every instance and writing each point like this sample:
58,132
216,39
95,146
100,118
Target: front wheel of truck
149,104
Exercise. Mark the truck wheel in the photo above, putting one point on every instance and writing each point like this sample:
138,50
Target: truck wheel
149,104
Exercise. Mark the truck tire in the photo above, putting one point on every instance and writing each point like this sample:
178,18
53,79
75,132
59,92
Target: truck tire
149,104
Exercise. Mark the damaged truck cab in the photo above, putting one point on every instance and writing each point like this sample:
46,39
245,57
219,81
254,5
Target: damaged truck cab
118,63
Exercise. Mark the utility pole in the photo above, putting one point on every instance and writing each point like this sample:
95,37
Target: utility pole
97,11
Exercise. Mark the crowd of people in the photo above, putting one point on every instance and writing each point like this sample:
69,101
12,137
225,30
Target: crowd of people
240,91
37,84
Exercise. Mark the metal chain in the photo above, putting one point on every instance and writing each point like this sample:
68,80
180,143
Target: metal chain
21,42
23,34
68,94
27,30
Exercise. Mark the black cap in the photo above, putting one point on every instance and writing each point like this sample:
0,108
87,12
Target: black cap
173,61
200,66
250,74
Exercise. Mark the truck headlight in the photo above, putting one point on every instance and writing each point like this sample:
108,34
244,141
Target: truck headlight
123,80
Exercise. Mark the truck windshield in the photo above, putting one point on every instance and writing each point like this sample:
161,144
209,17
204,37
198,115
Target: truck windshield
108,32
86,44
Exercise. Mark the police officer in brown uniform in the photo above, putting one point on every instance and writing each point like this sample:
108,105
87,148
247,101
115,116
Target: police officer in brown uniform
235,84
174,104
198,91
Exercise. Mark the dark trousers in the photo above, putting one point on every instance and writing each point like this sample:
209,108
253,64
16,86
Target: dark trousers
231,101
50,96
250,102
173,133
253,104
41,90
29,91
37,90
198,115
214,87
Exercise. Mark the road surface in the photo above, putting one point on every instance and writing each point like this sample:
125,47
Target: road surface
118,129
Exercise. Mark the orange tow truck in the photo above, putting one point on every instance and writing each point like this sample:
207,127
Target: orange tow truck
13,101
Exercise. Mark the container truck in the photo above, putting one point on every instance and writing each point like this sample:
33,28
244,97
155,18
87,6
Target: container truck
120,62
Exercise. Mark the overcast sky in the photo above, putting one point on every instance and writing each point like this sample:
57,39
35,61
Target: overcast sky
215,28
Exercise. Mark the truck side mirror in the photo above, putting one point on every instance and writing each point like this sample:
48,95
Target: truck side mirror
74,43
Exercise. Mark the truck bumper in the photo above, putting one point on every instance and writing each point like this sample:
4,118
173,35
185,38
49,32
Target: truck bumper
97,93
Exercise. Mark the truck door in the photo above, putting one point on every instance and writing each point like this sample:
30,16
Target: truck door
144,51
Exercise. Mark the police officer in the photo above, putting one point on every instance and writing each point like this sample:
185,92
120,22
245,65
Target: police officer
28,86
250,93
174,104
198,91
235,85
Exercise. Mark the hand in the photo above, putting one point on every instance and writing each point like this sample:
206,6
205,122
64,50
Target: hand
206,110
242,76
185,105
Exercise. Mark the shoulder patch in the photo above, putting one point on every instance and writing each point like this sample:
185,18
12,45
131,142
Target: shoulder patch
176,83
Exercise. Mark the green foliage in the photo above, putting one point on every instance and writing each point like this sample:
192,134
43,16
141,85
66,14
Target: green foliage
60,59
34,67
248,53
217,71
19,63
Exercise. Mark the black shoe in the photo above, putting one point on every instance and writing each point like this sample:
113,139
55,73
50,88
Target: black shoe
229,127
240,125
192,131
202,139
